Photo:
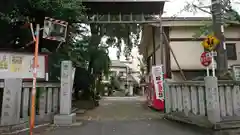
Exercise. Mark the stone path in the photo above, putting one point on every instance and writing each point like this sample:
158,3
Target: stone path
119,116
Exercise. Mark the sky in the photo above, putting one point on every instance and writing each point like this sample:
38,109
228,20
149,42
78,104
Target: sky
174,8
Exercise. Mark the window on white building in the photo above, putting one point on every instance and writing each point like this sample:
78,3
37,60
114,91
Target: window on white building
231,51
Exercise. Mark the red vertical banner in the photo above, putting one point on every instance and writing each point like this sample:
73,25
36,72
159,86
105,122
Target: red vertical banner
157,87
157,73
160,87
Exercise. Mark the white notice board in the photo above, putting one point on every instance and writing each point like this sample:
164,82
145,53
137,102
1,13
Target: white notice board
20,65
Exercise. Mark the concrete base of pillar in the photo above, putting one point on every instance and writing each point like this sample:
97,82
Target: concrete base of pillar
65,120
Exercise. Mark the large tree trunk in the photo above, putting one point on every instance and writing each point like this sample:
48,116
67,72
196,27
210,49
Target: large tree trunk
98,90
94,42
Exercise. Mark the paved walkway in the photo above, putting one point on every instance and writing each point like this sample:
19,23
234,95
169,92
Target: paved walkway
119,116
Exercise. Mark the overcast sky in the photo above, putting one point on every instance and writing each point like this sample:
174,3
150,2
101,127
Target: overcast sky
175,8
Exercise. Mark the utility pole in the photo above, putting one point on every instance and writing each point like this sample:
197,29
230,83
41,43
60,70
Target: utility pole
218,28
161,42
33,96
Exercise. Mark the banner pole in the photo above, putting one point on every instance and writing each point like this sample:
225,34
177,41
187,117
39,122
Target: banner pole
208,74
213,64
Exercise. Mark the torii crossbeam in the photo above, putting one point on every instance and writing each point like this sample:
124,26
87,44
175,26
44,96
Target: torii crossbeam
123,11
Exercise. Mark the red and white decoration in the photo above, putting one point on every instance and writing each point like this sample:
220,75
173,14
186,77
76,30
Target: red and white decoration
55,29
157,74
155,90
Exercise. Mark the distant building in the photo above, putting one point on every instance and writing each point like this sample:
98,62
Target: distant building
124,73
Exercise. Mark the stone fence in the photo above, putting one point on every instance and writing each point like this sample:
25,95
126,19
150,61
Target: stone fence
51,98
16,102
203,104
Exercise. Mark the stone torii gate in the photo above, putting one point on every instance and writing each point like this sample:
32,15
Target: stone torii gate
105,12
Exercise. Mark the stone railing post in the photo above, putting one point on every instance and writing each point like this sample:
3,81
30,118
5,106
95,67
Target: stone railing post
212,97
167,97
66,117
131,89
11,102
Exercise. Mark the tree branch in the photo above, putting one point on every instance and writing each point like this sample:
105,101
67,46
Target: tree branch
200,8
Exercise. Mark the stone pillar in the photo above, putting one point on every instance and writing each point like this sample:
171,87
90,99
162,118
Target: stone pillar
130,90
105,91
66,117
42,102
11,101
55,100
212,97
143,90
25,103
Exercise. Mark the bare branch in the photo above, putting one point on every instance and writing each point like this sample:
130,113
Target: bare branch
200,8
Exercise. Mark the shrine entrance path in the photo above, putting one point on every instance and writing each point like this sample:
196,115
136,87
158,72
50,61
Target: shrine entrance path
125,116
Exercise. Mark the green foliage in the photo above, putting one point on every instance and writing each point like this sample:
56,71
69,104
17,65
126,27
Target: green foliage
232,15
118,35
101,62
82,53
87,52
203,30
70,10
123,34
83,79
14,14
100,87
55,64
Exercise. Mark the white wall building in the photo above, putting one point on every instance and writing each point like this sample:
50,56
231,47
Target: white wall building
187,49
